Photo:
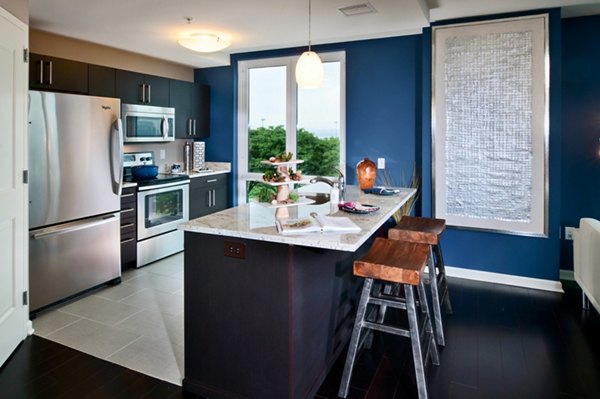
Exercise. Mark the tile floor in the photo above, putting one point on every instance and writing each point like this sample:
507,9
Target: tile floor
137,324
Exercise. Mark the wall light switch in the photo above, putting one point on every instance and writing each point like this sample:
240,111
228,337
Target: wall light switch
162,154
380,163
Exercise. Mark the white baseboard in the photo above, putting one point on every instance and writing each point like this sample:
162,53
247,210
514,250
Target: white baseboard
507,279
567,275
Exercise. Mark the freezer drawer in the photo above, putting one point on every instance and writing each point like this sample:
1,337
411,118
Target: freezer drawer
67,259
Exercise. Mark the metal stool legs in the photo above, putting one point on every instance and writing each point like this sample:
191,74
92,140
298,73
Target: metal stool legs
415,337
439,290
354,346
421,353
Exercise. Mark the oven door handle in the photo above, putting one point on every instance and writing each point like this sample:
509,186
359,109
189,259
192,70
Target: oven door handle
154,187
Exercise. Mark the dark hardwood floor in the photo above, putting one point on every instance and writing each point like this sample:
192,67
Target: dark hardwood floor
502,342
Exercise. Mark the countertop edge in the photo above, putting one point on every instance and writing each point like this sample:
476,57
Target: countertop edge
308,240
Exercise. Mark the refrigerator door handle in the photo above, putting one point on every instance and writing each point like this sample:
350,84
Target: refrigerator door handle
71,227
116,158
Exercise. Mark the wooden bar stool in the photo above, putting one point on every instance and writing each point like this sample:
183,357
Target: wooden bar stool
392,261
428,231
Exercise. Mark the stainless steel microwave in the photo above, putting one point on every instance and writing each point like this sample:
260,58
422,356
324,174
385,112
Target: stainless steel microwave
147,124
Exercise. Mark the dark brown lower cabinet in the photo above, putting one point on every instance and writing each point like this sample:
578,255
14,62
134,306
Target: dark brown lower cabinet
208,194
128,228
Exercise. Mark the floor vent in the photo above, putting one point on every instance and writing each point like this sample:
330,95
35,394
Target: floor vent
358,9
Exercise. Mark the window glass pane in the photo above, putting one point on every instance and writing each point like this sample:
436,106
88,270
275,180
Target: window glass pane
266,114
318,137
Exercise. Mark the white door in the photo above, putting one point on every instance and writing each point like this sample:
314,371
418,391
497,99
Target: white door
13,192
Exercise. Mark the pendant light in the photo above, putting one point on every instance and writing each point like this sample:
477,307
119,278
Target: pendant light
309,69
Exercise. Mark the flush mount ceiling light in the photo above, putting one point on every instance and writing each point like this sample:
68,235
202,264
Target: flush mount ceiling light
203,42
309,69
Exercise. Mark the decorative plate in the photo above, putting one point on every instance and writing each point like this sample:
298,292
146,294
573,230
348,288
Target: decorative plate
357,207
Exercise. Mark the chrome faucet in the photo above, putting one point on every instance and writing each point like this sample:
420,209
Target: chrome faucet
341,183
342,186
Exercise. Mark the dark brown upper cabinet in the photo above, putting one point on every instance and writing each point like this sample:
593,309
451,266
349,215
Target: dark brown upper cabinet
57,74
102,81
139,88
192,109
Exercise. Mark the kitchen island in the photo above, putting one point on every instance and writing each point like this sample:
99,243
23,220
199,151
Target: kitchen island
266,315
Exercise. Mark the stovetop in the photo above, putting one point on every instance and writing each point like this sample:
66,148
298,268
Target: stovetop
133,159
161,178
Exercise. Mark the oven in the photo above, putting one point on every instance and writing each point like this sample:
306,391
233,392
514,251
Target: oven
161,208
162,204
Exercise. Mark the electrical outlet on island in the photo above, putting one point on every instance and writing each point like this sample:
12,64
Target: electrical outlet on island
380,163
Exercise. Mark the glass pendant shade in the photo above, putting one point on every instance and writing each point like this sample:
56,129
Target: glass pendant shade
204,43
309,70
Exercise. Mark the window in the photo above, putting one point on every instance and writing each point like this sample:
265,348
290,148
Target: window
274,116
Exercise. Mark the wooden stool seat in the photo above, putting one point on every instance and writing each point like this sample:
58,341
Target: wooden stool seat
416,229
388,261
396,262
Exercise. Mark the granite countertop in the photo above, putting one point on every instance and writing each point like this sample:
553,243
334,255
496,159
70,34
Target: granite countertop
257,222
216,168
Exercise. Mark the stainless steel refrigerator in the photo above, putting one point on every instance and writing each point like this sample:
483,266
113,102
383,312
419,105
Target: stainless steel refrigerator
75,175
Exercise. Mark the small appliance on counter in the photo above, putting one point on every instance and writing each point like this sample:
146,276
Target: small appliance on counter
198,162
162,204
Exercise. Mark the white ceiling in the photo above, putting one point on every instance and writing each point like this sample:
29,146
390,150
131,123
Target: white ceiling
152,27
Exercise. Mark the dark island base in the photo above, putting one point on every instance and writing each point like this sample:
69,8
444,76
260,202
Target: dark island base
269,325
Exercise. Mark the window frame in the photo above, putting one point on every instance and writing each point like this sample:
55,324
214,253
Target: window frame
291,123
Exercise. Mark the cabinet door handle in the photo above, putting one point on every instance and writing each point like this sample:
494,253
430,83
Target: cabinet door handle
49,72
194,127
124,226
211,180
127,195
142,96
127,210
189,127
126,241
41,77
149,87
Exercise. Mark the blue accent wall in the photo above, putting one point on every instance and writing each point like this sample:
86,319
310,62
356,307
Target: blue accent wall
221,145
580,194
388,111
382,116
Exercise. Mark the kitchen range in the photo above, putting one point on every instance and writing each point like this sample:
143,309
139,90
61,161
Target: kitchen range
162,204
